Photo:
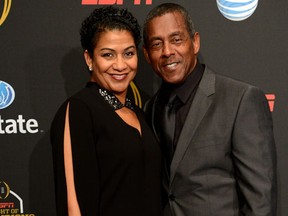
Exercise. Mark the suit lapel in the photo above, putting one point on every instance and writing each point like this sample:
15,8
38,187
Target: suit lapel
198,109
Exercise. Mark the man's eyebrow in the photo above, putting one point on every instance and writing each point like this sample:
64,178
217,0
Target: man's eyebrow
171,35
154,38
176,33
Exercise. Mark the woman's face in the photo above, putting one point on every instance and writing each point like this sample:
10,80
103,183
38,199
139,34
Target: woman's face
114,61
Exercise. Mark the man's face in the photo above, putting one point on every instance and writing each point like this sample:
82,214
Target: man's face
170,50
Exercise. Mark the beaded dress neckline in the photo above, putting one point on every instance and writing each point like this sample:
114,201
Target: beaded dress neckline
113,101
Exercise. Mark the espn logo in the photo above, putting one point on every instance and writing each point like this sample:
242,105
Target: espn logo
112,2
271,101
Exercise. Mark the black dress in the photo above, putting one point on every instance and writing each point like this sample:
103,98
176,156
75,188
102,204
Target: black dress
116,170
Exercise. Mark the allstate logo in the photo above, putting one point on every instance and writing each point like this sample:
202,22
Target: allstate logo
237,10
7,94
6,9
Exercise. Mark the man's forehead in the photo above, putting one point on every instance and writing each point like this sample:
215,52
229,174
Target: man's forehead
167,16
167,25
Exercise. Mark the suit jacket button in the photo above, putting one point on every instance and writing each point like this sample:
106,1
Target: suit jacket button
171,197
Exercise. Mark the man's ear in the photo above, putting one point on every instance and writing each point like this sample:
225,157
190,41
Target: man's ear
88,59
196,42
146,55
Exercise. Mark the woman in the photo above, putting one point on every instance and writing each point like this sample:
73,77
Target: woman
107,162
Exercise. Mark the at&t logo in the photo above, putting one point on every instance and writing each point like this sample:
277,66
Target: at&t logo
6,9
112,2
237,10
7,95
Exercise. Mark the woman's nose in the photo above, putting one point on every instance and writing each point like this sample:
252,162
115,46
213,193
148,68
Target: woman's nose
119,64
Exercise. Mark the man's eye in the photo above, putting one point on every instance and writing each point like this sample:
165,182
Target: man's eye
177,40
156,45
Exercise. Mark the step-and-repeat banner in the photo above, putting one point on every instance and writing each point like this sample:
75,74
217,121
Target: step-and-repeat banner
41,64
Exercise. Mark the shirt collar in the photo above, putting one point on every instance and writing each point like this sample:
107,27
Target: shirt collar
185,89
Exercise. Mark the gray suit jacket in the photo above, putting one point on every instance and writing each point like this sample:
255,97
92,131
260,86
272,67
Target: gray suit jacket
225,160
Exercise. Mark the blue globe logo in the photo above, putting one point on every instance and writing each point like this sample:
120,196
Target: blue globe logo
7,95
237,10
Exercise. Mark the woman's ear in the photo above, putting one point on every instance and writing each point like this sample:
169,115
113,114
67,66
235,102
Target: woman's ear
88,60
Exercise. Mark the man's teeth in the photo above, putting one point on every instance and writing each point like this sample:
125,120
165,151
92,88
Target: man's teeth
171,65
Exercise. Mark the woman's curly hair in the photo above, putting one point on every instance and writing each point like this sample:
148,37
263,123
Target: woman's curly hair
107,18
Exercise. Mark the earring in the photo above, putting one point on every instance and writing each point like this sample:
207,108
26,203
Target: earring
90,68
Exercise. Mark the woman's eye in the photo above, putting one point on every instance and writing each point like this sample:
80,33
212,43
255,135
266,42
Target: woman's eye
129,53
107,55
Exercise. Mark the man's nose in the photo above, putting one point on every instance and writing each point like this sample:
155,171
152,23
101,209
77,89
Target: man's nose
167,50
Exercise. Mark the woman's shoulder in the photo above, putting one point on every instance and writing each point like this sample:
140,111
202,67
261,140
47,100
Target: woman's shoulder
87,95
84,97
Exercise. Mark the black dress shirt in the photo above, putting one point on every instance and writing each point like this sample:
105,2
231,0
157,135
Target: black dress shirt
185,92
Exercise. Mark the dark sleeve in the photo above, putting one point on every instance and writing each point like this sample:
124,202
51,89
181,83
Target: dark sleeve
85,164
254,155
56,137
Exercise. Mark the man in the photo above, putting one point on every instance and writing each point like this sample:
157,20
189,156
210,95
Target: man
220,157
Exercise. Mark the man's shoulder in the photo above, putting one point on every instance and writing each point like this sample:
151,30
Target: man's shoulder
225,80
148,106
227,85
